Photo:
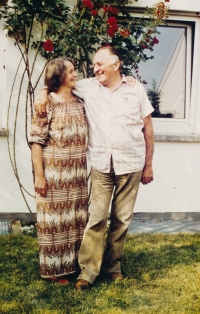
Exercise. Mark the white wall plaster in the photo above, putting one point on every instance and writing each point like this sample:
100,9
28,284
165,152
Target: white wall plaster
182,5
176,179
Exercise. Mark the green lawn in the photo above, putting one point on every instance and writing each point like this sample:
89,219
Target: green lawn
162,276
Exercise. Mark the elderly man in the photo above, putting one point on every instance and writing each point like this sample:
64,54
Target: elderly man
120,153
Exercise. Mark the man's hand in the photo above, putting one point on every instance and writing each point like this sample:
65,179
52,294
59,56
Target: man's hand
132,81
147,175
41,108
40,185
41,103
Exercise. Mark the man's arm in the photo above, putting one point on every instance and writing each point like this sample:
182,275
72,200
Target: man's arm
147,174
40,104
41,101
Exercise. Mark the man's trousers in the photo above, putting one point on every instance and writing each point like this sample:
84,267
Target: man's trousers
94,252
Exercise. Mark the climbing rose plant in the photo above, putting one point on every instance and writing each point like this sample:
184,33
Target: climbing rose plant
92,24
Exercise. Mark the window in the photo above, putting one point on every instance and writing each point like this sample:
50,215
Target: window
167,73
173,74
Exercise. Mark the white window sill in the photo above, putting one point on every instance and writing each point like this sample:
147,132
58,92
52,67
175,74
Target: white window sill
177,138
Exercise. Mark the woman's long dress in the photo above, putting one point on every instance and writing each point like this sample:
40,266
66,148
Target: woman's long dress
61,214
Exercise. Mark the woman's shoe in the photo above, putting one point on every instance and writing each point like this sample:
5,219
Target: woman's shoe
60,280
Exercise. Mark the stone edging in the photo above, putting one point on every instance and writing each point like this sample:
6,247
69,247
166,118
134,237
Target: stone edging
186,216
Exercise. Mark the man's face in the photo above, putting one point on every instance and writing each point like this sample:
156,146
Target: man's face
104,66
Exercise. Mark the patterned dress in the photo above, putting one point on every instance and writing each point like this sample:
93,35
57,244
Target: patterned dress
62,214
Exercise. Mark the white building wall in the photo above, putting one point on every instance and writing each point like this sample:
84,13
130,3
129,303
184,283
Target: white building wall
11,198
182,5
176,186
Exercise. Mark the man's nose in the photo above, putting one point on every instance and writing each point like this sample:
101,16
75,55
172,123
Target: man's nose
96,68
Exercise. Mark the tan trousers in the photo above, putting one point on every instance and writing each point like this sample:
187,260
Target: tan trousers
92,253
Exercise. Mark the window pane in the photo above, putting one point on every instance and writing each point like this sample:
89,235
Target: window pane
166,73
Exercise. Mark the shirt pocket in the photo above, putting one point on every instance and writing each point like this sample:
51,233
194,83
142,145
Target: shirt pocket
128,107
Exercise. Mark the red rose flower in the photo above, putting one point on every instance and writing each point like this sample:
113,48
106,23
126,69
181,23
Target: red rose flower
111,10
167,0
112,21
160,10
94,12
160,13
155,40
115,11
48,45
108,8
87,4
111,32
125,33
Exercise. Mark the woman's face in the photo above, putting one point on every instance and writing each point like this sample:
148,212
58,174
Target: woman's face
70,78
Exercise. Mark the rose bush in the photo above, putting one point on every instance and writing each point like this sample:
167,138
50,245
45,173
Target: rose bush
79,31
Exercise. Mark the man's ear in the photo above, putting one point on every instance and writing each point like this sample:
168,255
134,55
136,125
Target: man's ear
116,66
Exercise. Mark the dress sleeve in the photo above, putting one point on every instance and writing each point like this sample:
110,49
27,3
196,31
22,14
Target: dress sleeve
40,129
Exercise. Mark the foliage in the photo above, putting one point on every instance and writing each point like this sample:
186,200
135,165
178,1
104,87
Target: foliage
154,95
162,276
29,229
79,31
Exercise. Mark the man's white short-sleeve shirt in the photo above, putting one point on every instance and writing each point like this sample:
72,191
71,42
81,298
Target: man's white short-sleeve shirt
115,123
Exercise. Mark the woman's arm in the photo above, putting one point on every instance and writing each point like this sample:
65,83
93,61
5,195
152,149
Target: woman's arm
37,158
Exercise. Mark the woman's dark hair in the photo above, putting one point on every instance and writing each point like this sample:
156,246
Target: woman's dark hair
55,73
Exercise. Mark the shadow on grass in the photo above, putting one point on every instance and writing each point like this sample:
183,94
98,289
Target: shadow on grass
157,253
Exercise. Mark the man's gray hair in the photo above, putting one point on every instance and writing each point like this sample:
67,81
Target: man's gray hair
116,55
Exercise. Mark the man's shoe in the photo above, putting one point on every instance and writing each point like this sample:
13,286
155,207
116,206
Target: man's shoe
116,276
82,284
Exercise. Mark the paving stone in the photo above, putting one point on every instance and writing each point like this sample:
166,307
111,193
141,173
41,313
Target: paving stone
164,226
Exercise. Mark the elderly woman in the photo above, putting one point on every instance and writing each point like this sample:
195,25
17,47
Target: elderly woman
58,142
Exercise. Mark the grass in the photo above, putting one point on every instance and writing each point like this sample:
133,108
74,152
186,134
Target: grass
162,276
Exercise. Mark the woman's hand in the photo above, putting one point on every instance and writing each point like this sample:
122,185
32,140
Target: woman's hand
40,185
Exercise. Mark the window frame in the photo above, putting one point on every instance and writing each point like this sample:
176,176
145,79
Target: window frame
191,123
